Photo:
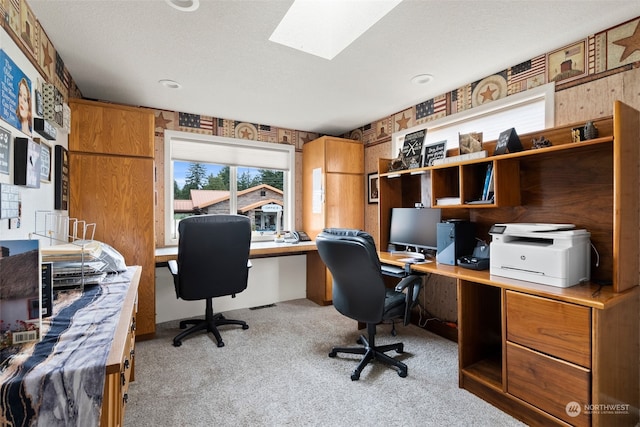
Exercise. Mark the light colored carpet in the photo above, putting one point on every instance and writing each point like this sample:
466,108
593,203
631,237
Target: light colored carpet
278,373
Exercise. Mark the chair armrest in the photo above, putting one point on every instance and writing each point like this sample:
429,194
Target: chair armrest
412,284
173,267
249,265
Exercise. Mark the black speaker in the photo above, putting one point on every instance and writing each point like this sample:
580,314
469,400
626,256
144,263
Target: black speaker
455,239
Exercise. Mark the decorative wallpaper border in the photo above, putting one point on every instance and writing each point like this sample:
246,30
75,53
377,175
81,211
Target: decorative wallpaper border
616,49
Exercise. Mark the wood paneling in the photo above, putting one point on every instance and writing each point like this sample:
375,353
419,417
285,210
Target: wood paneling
112,184
111,129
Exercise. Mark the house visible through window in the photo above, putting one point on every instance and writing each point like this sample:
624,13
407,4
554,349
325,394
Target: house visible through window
210,174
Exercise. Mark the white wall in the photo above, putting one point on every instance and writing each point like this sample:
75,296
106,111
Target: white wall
32,199
271,280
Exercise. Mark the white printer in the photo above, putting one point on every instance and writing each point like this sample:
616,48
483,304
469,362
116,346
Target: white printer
551,254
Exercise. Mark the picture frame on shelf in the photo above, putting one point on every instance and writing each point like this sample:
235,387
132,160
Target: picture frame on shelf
46,154
508,141
413,147
470,142
433,152
372,188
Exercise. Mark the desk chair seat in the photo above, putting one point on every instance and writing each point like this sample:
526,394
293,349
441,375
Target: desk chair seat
359,293
213,261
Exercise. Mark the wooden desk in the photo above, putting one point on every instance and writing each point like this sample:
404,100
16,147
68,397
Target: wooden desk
532,349
89,338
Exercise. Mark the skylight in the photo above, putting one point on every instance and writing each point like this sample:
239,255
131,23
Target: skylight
326,27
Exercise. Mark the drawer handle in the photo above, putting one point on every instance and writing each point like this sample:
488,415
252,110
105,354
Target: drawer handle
132,353
123,380
125,398
126,363
133,324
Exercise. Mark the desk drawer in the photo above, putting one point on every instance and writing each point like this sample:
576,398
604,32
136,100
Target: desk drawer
548,383
552,327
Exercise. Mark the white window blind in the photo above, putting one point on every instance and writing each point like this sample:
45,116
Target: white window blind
527,111
233,152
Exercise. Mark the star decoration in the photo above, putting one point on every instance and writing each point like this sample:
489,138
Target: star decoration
487,95
631,43
403,122
47,60
161,122
306,138
246,134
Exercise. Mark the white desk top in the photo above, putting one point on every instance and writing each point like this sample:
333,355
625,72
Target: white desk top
258,249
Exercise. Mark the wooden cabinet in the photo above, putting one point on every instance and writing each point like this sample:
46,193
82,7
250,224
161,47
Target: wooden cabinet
111,170
547,355
333,196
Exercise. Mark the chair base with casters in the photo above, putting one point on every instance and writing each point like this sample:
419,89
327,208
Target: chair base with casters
372,352
210,324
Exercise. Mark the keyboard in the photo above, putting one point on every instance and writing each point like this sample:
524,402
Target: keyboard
392,270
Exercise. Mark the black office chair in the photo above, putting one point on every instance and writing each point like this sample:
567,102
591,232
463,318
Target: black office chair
359,292
213,261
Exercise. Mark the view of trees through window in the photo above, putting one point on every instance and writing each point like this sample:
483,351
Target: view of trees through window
255,188
199,176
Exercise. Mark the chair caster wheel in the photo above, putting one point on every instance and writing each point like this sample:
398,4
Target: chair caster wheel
402,374
220,344
356,376
332,354
400,349
359,341
245,326
177,343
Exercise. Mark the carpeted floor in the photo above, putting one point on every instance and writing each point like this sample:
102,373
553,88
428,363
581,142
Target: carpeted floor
278,373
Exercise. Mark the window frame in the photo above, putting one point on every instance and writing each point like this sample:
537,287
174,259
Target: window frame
211,142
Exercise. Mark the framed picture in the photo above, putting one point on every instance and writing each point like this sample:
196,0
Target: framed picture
26,162
372,187
61,177
568,63
46,152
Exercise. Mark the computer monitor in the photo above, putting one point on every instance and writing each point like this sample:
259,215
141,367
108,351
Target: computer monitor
416,228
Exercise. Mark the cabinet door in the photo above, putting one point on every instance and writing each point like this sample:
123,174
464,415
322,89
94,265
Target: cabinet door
345,156
344,201
110,129
116,193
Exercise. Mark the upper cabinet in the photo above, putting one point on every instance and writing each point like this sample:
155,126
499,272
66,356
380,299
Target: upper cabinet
103,128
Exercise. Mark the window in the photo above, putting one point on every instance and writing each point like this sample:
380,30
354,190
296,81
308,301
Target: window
228,176
526,111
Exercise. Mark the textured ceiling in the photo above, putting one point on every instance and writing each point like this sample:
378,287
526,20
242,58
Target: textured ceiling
118,50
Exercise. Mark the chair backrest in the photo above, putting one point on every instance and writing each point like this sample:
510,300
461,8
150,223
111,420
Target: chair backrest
213,251
358,286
